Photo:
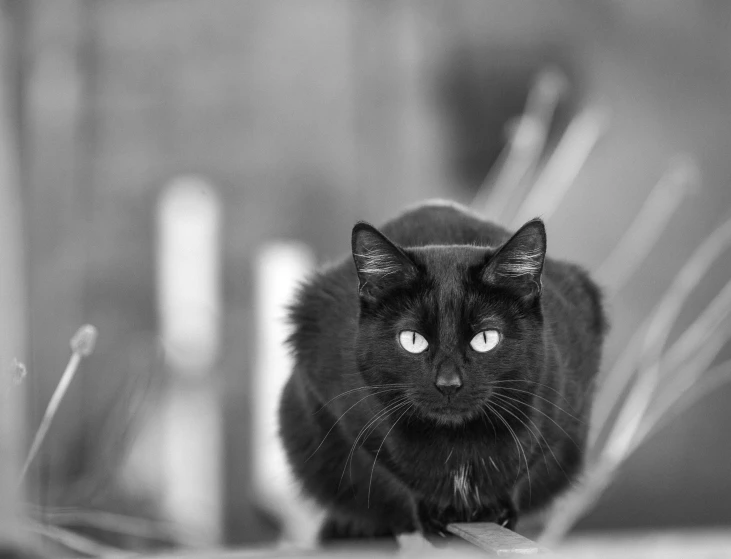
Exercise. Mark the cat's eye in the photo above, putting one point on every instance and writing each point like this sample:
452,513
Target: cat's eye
485,341
413,342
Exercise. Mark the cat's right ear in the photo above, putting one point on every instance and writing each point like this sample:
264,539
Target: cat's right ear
518,264
379,262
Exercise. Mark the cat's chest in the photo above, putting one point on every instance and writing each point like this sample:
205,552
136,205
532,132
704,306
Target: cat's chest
464,482
465,489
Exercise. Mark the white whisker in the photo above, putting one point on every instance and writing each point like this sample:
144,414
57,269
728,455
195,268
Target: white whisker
370,482
544,414
549,387
527,466
392,407
343,415
558,463
371,387
517,444
542,398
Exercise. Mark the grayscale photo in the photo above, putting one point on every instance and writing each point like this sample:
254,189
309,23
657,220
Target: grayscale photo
365,278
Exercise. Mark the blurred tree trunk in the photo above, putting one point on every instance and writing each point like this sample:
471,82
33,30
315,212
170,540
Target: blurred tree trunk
12,287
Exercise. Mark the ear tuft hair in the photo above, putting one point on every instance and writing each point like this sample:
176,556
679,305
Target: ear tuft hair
379,262
518,264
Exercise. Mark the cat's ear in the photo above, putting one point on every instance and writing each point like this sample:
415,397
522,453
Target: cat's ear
380,263
518,264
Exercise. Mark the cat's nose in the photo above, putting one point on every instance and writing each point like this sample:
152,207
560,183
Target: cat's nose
448,382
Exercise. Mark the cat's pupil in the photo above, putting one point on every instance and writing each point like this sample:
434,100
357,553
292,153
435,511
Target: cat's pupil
413,338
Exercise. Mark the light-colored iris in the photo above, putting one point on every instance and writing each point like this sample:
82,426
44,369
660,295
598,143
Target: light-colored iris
485,341
413,342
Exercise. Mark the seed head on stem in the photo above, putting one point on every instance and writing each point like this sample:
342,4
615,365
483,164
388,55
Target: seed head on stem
82,344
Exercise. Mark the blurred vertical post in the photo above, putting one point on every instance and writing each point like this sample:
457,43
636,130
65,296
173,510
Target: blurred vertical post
280,268
56,200
12,295
189,299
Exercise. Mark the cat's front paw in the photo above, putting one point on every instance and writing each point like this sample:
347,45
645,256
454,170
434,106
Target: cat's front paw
506,515
433,526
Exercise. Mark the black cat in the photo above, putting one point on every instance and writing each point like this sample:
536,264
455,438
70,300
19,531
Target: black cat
445,377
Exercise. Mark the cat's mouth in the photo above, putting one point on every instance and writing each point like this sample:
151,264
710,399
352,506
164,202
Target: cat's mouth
449,414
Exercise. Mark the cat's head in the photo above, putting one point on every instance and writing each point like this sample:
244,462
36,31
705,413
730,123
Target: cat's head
445,325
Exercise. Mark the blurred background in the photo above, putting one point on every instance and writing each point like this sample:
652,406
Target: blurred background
171,169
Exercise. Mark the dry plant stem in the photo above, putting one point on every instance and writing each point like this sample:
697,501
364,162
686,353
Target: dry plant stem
600,474
118,523
690,275
680,351
527,140
506,179
688,358
710,380
657,331
628,425
690,373
708,322
76,542
576,503
561,170
53,405
82,345
647,227
612,385
137,527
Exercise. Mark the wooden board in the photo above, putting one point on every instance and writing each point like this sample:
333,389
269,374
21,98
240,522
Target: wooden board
495,539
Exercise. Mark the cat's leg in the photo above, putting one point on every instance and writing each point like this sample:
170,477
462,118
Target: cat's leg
371,501
435,523
334,529
365,500
338,527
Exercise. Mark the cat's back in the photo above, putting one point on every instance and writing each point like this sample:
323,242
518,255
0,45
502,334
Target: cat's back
431,223
434,222
438,222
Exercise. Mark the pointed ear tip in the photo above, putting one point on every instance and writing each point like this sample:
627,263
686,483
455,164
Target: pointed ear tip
362,232
536,224
360,226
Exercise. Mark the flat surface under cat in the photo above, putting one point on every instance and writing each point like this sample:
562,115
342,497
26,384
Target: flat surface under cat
443,373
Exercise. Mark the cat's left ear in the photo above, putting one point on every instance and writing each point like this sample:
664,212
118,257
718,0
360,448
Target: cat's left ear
379,262
518,264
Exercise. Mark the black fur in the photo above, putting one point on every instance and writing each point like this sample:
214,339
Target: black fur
430,458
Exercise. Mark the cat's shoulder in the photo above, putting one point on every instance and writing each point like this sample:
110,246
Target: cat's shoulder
577,289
